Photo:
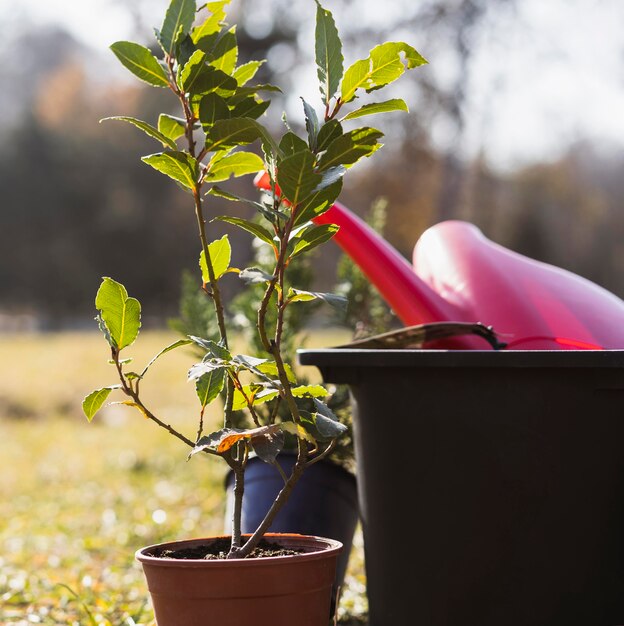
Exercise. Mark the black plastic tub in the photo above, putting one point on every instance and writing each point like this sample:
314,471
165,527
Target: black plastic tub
491,484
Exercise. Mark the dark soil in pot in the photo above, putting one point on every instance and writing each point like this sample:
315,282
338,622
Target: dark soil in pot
219,548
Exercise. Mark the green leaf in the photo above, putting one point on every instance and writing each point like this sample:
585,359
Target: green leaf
331,176
172,127
255,393
225,54
351,147
296,176
220,255
383,66
244,73
148,129
291,144
180,166
212,108
173,346
141,62
212,80
192,70
326,421
329,132
179,17
395,104
270,369
185,48
211,24
120,313
209,386
212,348
318,202
254,276
311,236
237,164
312,125
298,430
328,53
232,197
310,391
267,447
328,428
94,401
297,295
205,367
231,133
250,107
250,227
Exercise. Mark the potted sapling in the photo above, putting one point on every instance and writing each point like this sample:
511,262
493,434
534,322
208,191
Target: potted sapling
259,577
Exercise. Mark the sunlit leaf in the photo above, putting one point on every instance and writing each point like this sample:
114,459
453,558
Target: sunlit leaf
298,430
310,237
298,295
244,73
232,133
141,62
309,391
192,70
220,252
170,126
178,18
236,164
94,401
351,147
148,129
180,166
318,202
328,50
395,104
209,386
212,24
225,54
383,66
120,313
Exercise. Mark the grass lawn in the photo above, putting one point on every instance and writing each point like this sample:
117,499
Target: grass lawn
77,499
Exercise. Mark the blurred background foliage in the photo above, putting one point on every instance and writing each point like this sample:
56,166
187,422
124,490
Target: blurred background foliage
76,203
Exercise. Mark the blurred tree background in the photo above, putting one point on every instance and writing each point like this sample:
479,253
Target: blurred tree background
76,203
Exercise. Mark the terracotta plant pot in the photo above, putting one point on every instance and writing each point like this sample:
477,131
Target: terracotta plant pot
273,591
324,503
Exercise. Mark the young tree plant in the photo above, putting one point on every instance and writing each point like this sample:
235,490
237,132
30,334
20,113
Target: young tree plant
206,144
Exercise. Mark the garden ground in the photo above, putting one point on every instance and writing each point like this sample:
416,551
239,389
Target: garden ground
77,499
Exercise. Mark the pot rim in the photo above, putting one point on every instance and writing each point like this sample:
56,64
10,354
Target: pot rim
348,357
321,547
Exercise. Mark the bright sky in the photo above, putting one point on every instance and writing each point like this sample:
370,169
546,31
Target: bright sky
558,77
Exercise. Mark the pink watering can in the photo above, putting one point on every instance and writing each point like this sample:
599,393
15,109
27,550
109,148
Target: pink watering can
461,276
